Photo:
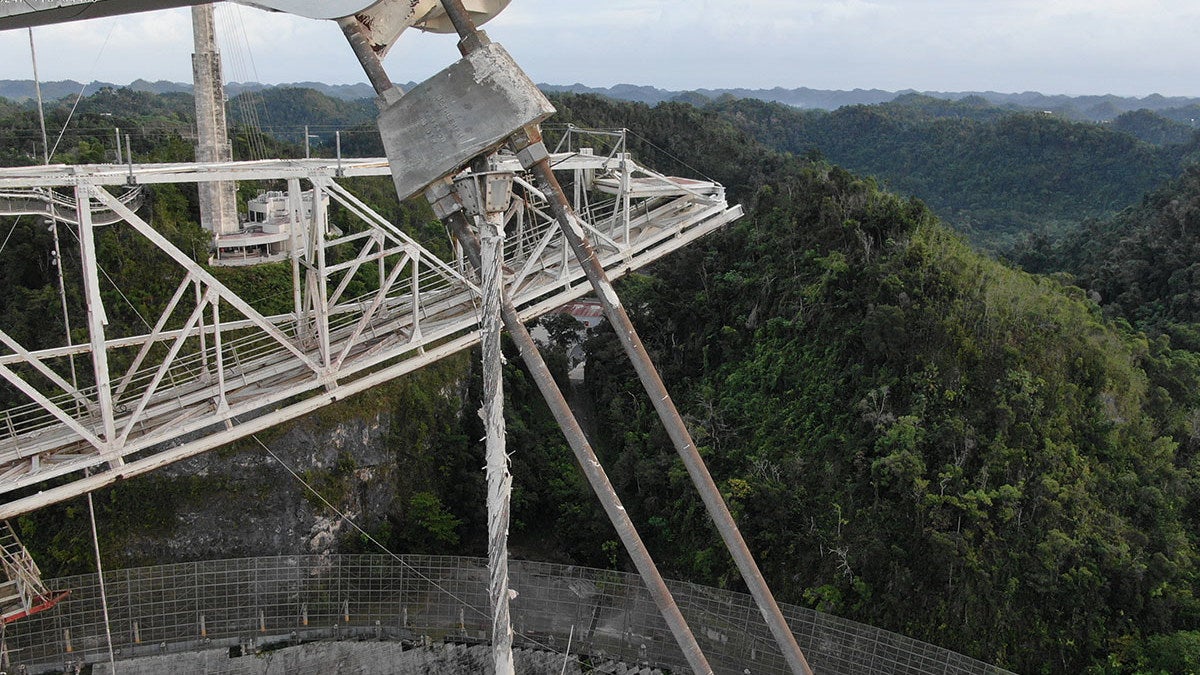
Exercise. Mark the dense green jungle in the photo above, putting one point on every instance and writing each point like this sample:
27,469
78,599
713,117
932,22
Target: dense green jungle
996,452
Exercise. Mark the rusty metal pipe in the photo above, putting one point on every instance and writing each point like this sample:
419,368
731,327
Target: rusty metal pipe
718,511
371,63
464,25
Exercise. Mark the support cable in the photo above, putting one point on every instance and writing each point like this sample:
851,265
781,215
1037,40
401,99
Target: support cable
567,656
62,296
499,477
115,286
112,659
248,102
403,563
10,232
589,463
37,88
669,154
80,96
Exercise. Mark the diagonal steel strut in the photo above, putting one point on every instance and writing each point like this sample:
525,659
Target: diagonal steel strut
584,454
718,511
533,155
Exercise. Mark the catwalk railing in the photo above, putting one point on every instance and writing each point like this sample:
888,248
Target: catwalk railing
368,305
603,614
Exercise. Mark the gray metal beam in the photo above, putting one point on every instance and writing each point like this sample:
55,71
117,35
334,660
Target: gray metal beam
529,147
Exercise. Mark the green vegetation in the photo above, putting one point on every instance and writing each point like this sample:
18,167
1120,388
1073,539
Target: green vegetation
913,435
1153,128
910,433
284,112
1142,264
991,173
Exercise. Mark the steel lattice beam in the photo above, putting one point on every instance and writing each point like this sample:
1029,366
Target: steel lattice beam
213,369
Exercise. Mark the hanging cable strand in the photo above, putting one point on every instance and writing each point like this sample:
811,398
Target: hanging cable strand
403,563
236,46
62,295
112,659
668,153
12,229
37,88
79,97
499,478
259,102
588,462
115,286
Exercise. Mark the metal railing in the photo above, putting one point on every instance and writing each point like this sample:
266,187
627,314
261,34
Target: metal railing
604,614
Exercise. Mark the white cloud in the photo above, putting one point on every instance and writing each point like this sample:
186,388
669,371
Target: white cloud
1067,46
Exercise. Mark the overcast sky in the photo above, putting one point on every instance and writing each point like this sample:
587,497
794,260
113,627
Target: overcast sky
1126,47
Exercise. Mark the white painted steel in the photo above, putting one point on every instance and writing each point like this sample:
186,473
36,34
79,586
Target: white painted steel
394,15
213,369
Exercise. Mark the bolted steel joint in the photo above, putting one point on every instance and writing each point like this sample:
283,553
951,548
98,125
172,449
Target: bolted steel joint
485,193
475,41
525,137
532,154
444,200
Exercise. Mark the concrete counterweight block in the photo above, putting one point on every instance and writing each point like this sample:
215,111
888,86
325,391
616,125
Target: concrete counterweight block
465,111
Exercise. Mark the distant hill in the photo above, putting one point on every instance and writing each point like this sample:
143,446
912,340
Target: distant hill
1141,263
345,92
800,98
993,172
1184,110
283,112
1084,108
22,90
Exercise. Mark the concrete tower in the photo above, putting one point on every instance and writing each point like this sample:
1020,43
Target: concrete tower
218,203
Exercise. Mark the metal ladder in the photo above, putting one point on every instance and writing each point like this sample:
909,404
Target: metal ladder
22,592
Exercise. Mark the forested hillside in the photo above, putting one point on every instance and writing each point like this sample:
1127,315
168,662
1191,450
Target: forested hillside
1143,264
284,112
913,435
992,173
910,433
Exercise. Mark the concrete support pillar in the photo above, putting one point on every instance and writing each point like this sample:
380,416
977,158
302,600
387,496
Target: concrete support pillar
218,201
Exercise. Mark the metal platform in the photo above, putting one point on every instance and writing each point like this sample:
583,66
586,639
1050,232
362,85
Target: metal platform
50,204
214,369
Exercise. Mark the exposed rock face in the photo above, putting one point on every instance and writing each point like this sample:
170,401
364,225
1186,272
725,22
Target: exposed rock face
241,501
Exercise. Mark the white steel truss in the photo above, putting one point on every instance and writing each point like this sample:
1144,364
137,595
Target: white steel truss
213,369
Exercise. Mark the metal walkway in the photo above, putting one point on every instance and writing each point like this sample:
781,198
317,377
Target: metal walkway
50,204
214,369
